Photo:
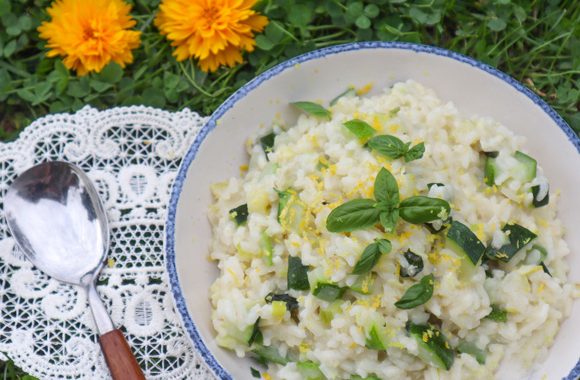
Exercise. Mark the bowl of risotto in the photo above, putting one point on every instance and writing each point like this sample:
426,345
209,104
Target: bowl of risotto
380,211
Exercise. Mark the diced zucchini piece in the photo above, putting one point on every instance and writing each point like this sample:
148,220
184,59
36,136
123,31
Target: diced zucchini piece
269,354
490,171
267,247
464,242
536,255
328,291
376,338
518,237
433,346
278,309
369,377
297,274
497,314
310,371
470,348
411,264
292,212
542,202
234,337
327,313
258,201
291,304
526,171
256,336
364,283
545,268
239,214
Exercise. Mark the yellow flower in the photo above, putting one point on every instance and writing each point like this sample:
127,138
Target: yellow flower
213,31
90,34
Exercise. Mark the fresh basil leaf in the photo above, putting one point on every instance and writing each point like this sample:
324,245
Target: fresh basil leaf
415,152
421,209
351,91
417,294
389,219
328,292
414,264
269,354
388,146
371,255
256,334
291,304
297,274
497,314
312,109
386,188
239,214
255,373
353,215
361,129
267,142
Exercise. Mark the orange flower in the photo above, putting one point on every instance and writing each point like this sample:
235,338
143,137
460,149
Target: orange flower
90,34
213,31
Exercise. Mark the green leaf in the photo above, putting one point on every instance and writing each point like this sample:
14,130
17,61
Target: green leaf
421,209
5,7
353,215
496,24
112,73
388,146
297,274
154,97
386,188
497,314
417,294
363,22
264,43
415,152
389,219
312,109
26,95
78,89
361,129
9,49
100,86
371,255
371,10
300,15
328,292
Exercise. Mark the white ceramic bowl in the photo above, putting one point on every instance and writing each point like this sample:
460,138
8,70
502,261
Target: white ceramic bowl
218,152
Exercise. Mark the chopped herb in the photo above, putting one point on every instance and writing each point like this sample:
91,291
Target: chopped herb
256,334
255,373
542,202
433,346
297,274
361,129
351,91
371,255
267,143
353,215
421,209
417,294
239,214
328,292
312,109
269,354
291,304
497,314
414,264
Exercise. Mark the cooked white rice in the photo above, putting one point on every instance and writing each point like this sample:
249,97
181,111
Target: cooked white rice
536,302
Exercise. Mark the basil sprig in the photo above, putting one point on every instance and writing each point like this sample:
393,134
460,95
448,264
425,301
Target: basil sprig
357,214
371,255
393,147
312,109
417,294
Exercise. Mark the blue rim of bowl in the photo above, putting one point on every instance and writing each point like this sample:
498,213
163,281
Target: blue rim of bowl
188,323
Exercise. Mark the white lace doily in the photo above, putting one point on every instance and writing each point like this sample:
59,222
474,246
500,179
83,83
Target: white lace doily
132,155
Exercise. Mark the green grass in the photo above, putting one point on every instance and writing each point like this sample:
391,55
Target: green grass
536,42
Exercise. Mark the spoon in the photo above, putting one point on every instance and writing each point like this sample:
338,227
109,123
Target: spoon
57,219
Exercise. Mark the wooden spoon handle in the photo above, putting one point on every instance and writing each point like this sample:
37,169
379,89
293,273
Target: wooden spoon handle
119,358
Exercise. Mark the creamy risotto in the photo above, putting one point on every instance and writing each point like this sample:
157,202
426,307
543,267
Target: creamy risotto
388,237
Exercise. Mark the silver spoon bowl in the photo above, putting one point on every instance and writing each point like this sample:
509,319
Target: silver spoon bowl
55,216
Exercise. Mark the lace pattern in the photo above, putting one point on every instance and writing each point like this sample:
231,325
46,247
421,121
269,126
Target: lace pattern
132,154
